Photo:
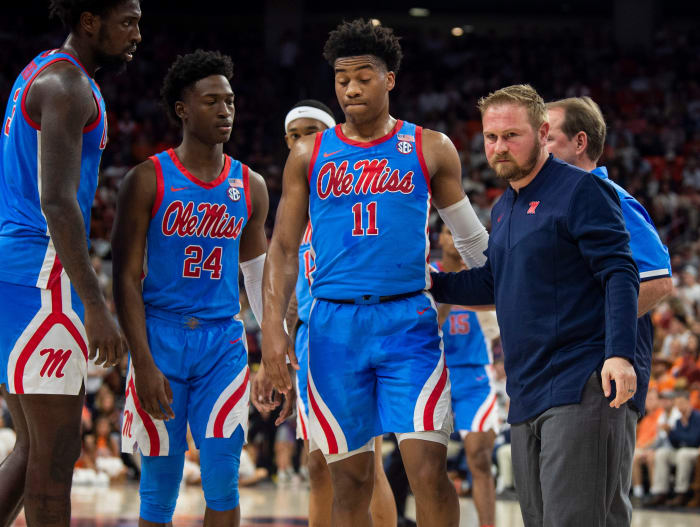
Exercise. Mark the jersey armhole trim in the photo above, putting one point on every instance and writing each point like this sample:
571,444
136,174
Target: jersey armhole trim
421,159
31,122
314,155
246,189
160,186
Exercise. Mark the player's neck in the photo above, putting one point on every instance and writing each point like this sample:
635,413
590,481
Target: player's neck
80,50
367,131
205,162
451,264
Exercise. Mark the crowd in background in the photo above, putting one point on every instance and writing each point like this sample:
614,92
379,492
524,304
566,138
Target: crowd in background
651,102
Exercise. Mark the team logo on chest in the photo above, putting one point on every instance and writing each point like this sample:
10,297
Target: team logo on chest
234,184
375,177
215,221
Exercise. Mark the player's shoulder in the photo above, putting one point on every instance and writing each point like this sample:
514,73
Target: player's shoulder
432,139
256,181
63,79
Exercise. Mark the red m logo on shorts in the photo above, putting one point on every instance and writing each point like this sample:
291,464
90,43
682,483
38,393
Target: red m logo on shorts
55,361
128,419
533,206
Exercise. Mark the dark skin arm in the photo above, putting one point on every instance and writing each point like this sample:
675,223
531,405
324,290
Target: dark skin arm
61,100
253,244
282,263
136,197
445,168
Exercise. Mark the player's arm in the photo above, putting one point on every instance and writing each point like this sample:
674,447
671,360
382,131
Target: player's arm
254,244
61,100
469,235
651,292
282,263
137,196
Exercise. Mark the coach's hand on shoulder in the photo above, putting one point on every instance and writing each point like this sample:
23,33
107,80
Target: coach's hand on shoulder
276,347
620,370
153,391
105,341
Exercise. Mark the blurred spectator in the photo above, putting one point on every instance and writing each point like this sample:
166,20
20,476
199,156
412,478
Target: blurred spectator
682,453
649,438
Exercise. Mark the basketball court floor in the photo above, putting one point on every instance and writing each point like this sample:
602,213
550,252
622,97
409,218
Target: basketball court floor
267,505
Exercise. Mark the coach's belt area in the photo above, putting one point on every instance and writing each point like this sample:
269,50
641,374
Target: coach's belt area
371,299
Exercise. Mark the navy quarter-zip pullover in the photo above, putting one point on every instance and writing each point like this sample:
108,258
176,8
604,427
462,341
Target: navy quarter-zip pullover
562,277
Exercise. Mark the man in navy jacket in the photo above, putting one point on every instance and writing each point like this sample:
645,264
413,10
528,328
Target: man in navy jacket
562,277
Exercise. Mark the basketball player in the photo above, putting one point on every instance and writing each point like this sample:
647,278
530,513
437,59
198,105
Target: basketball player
199,212
469,359
577,135
53,315
306,118
375,355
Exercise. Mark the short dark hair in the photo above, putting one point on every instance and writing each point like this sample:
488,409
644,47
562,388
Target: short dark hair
582,114
187,70
314,104
69,11
362,37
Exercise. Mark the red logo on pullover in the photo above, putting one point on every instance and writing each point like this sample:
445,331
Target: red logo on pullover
533,206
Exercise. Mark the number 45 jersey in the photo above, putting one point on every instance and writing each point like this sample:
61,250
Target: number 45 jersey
368,207
193,239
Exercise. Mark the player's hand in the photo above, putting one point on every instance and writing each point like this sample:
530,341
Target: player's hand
290,400
621,371
262,393
106,343
154,393
275,349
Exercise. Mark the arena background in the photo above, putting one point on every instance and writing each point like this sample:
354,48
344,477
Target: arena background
640,60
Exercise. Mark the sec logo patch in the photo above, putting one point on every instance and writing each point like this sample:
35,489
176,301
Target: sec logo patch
234,194
404,147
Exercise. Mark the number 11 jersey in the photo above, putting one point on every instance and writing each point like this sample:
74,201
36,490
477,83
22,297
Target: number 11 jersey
368,207
193,239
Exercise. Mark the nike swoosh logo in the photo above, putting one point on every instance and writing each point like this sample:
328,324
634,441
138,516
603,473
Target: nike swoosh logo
173,189
327,154
422,311
234,341
480,378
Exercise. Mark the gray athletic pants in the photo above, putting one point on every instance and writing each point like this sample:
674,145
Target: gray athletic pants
569,464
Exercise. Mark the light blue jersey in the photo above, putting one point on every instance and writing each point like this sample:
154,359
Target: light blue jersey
306,267
25,244
368,207
193,239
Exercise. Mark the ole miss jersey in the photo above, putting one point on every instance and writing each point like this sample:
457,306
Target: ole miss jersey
28,254
306,267
368,207
193,239
463,338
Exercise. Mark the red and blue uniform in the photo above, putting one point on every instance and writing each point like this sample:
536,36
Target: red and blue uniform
43,345
191,297
376,363
301,341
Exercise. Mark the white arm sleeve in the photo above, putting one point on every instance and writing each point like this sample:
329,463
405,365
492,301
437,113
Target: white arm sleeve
469,235
252,278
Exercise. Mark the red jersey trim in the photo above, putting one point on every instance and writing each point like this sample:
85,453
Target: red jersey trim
246,189
421,159
160,186
368,144
314,155
193,179
87,128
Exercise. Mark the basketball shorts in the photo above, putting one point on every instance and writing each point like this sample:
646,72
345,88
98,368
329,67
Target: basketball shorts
301,348
43,344
375,369
473,399
206,364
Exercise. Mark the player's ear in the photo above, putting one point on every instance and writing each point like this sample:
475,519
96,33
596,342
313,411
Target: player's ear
89,23
390,80
180,109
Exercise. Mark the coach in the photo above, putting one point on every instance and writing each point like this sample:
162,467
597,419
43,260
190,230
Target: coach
564,283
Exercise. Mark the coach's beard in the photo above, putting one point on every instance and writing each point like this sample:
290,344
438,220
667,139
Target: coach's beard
513,171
